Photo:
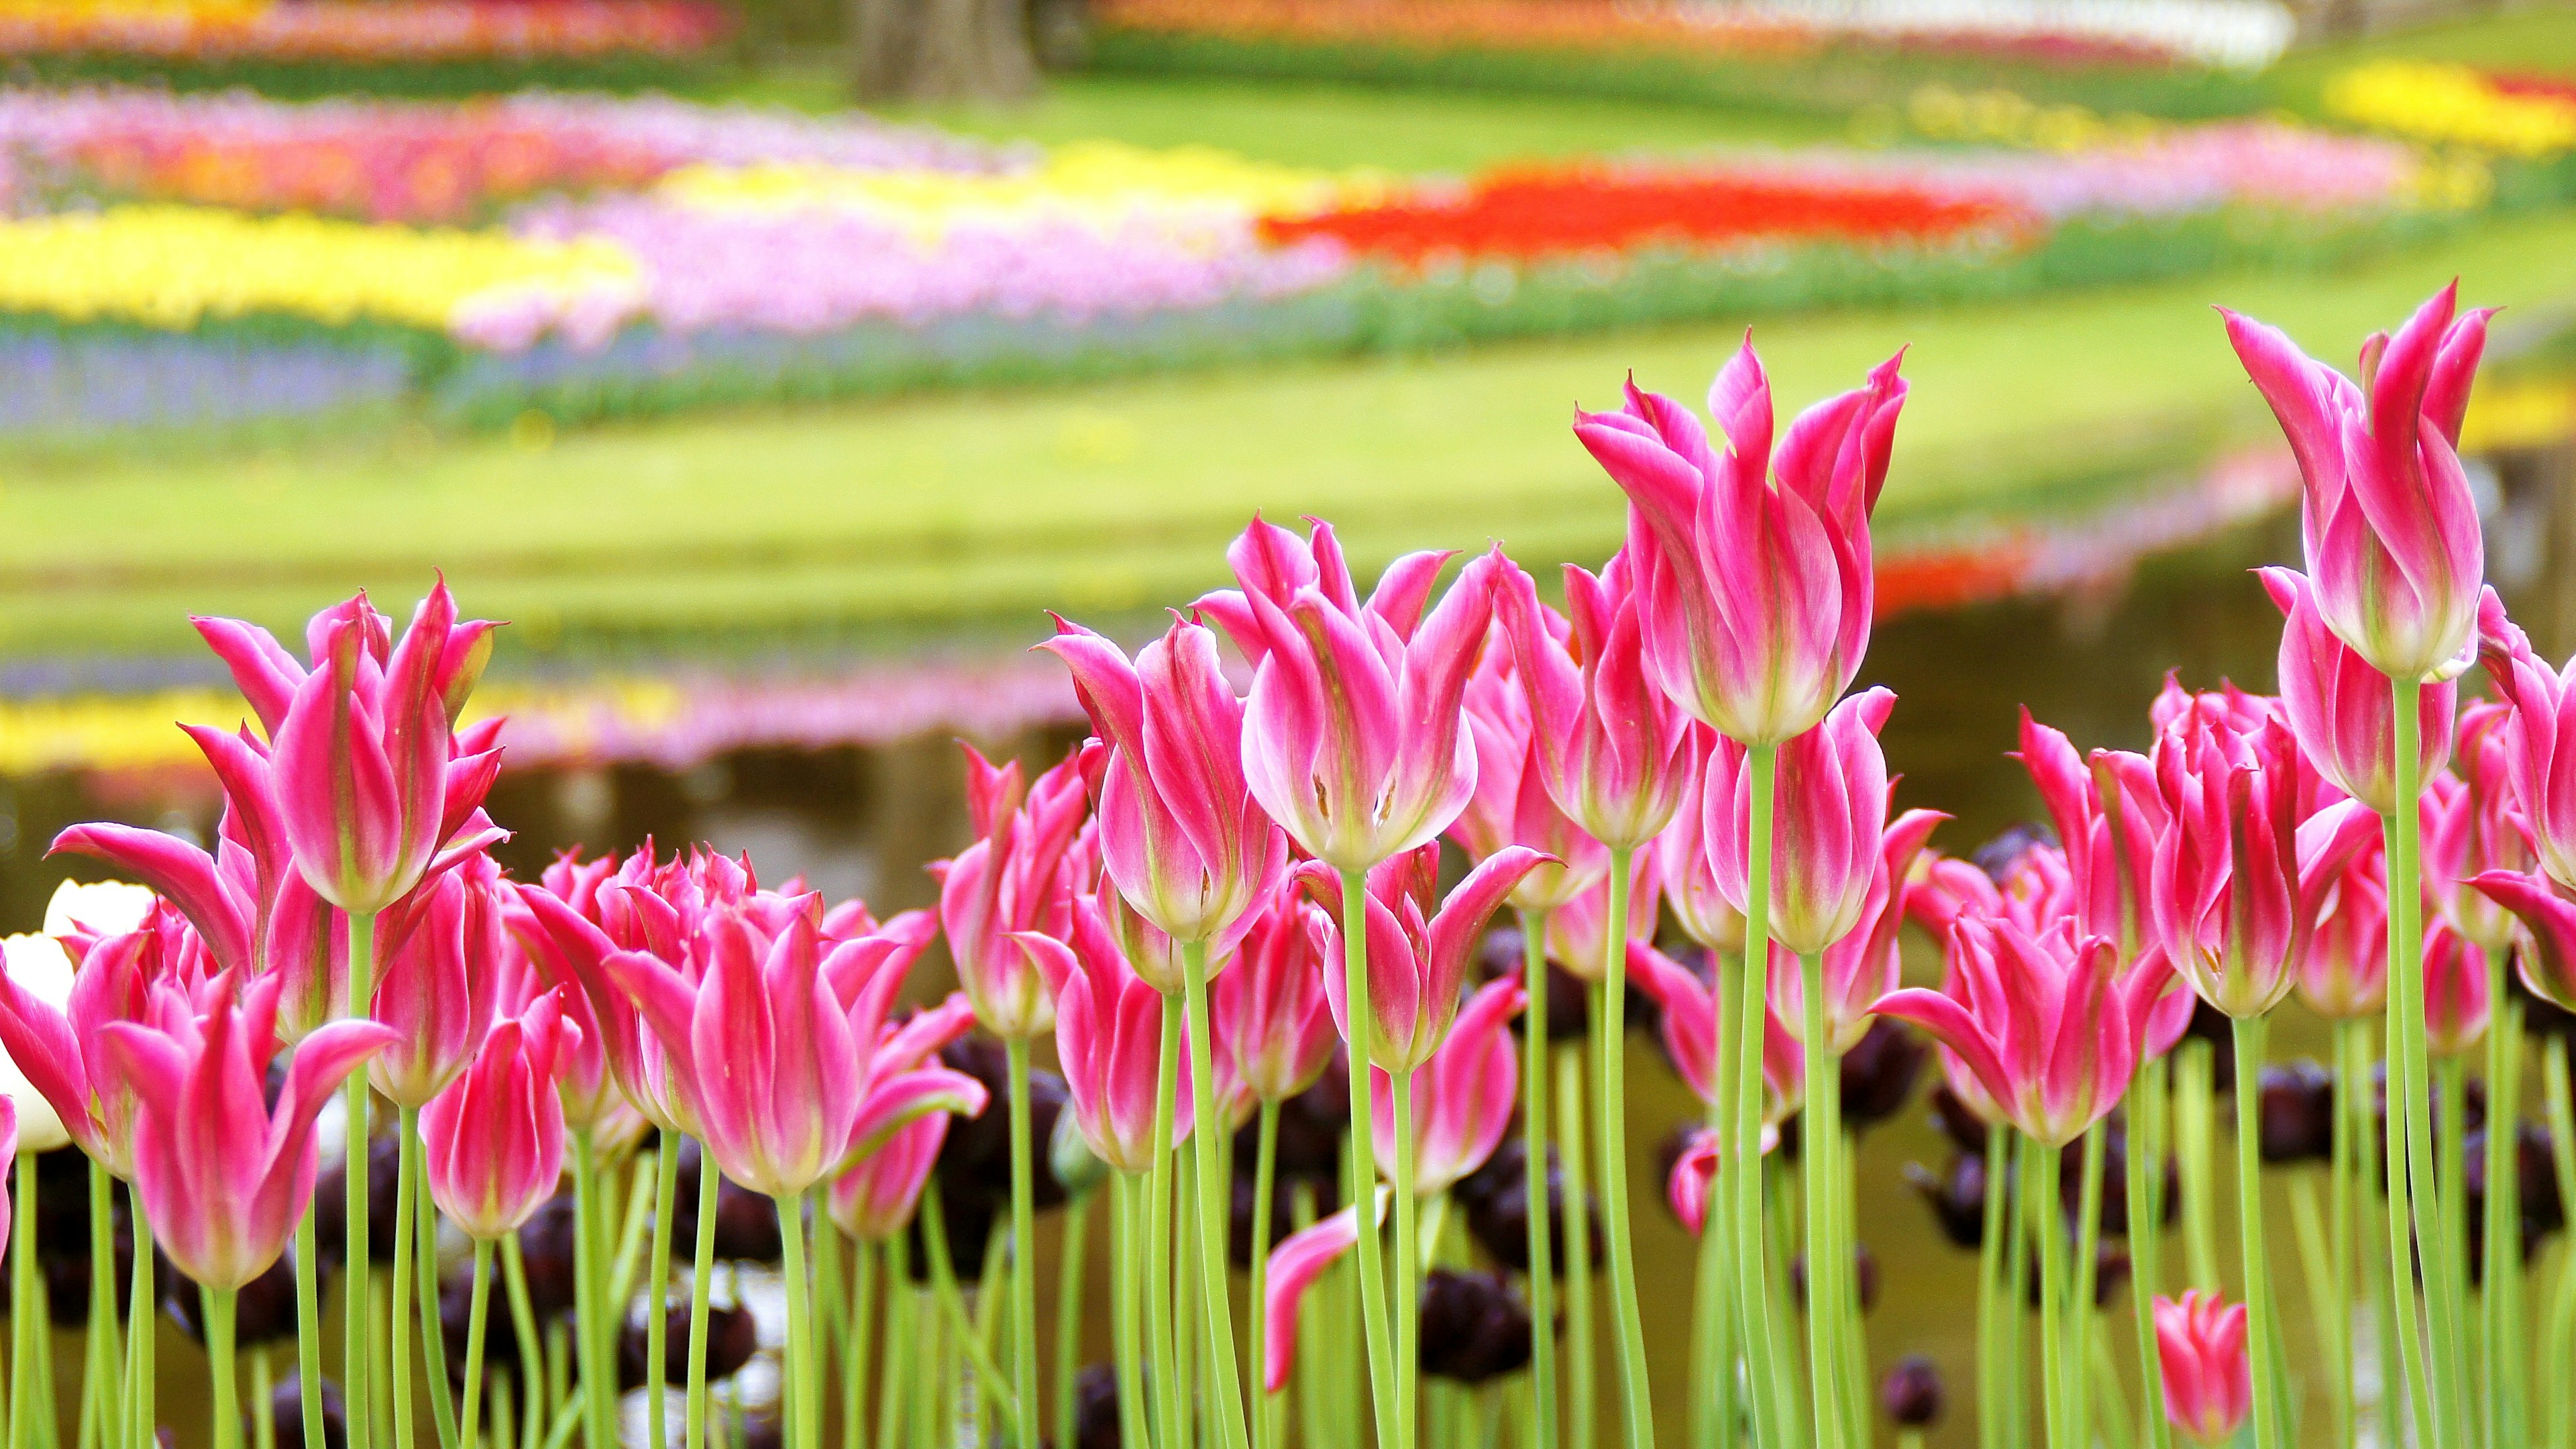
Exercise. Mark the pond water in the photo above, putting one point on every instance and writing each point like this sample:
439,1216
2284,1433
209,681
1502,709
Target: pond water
863,819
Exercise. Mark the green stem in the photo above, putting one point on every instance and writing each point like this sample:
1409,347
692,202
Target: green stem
2451,1171
143,1316
2079,1305
1170,1408
534,1374
263,1392
1826,1253
1542,1268
2012,1177
657,1321
218,1305
24,1317
477,1311
2039,1195
1024,1228
2263,1333
590,1295
2505,1344
2309,1226
433,1336
357,1319
1991,1303
1265,1183
2560,1104
1581,1355
398,1326
1127,1347
2340,1244
1073,1257
1215,1206
2194,1098
1408,1269
1374,1322
2401,1373
308,1321
902,1317
2145,1181
943,1279
1610,1031
701,1268
1740,1046
2409,1073
803,1432
99,1390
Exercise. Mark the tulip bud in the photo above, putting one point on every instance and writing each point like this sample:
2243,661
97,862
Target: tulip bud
1473,1326
1957,1197
1911,1394
2208,1380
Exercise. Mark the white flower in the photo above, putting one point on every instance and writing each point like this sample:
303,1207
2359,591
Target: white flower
42,969
102,908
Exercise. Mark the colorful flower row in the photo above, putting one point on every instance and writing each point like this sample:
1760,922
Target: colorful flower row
2239,33
382,31
424,162
2456,105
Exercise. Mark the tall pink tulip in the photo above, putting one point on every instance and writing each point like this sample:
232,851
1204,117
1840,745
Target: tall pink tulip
1179,832
2339,704
2547,958
2049,1025
1609,743
1510,804
1354,739
1273,1027
2344,976
2456,1000
496,1133
442,959
876,1197
1832,812
1017,876
1682,864
1756,597
2208,1375
1463,1097
225,1176
1418,956
1864,965
1109,1038
2391,531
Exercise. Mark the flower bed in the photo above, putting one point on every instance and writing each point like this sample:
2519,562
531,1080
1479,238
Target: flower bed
630,256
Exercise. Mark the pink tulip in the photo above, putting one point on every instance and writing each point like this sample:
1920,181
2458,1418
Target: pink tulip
2048,1025
876,1198
496,1133
1417,957
441,952
1179,831
2390,528
1694,1175
2106,849
773,1042
2344,976
224,1176
2540,740
1510,804
1272,1026
585,1084
2547,957
1295,1264
1831,816
1109,1039
1688,1006
1864,965
2209,1381
1579,932
1755,599
370,789
2456,1004
1462,1098
2340,706
1609,743
62,1049
1354,740
1017,876
1688,881
2473,825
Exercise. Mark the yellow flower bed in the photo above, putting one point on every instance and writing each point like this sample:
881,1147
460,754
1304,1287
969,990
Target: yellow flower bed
1104,182
175,266
2451,104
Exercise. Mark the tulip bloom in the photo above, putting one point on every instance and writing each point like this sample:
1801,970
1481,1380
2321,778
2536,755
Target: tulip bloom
1017,876
1688,1006
2344,976
1179,832
1510,804
2547,959
1295,1264
1695,1173
442,956
1864,965
1462,1097
496,1134
2456,1004
1109,1038
51,1020
2473,825
1273,1027
2048,1025
1417,957
877,1196
224,1176
2339,704
1579,932
2390,528
1755,598
2208,1379
1354,739
2540,741
1608,742
1689,882
1831,818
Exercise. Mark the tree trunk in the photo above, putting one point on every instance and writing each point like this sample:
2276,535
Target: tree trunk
941,50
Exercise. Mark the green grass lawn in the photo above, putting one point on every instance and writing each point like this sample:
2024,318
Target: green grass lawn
961,511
